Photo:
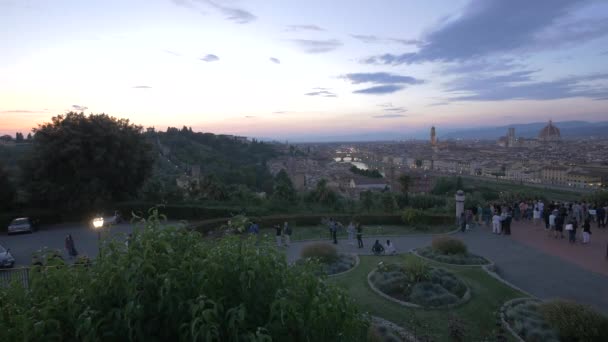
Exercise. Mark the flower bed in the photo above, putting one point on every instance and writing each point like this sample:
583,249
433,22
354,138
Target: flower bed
526,321
416,284
456,259
331,261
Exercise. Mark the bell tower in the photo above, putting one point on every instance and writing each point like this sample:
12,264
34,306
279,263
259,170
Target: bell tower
433,136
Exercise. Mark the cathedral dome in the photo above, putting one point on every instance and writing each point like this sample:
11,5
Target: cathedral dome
549,133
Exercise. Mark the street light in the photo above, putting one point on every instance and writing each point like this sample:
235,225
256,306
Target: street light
98,225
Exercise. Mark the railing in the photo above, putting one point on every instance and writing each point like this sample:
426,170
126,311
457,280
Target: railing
20,275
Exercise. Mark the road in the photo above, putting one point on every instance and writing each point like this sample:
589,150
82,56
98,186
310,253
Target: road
23,245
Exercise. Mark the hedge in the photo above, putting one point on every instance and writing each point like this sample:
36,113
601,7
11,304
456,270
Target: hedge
184,211
205,226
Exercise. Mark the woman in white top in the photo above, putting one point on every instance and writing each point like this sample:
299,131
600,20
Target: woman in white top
496,223
536,216
389,249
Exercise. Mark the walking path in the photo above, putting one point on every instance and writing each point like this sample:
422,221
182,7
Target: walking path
531,265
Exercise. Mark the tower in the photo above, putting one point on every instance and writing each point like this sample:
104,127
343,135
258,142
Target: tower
511,137
433,136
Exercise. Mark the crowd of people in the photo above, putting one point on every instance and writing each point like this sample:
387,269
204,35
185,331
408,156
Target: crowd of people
557,218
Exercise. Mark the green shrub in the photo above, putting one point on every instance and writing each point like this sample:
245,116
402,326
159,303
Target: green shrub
325,252
456,259
172,285
426,201
412,216
448,245
575,322
416,269
429,294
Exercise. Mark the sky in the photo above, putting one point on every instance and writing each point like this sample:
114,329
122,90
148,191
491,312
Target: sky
304,69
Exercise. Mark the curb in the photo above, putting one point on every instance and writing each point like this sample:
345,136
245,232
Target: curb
357,260
391,235
506,324
404,333
415,252
464,299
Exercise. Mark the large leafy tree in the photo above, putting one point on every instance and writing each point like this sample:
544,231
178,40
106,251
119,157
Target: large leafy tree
283,188
83,161
7,189
405,181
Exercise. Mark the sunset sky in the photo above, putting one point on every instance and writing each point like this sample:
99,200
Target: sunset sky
282,69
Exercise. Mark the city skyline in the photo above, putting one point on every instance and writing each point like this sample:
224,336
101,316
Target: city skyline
277,70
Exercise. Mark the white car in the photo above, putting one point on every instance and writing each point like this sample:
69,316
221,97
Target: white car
19,225
6,258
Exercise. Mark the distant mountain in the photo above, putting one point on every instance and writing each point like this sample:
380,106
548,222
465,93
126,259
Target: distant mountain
568,129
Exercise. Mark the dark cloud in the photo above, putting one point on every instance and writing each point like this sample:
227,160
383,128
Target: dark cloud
372,39
142,87
210,58
295,28
381,89
237,15
322,92
79,108
380,78
488,27
388,116
519,85
275,60
317,46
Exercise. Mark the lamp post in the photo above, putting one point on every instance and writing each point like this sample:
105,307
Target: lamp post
98,225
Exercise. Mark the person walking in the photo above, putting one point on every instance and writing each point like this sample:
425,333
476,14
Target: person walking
350,229
536,216
586,231
287,233
496,223
70,246
333,228
506,222
552,218
278,235
601,216
559,225
359,235
463,222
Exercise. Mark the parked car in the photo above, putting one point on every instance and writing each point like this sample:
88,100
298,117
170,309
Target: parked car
21,224
6,258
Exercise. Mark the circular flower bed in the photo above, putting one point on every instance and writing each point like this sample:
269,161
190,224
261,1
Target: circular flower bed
382,330
450,250
416,283
331,261
526,321
557,320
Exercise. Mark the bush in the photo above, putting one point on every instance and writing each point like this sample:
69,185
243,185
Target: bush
426,201
448,245
575,322
325,252
172,285
525,319
416,269
456,259
412,216
430,294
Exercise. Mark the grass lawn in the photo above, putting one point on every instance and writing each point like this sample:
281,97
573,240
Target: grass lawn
478,314
322,232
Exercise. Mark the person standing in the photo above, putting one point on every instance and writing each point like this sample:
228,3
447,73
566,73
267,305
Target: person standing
552,217
536,216
278,235
571,228
506,222
359,235
334,231
350,229
287,233
70,246
559,225
463,222
496,223
601,216
586,231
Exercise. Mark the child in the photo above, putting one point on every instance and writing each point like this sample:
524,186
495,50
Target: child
496,223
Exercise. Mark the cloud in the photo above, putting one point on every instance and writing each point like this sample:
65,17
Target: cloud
317,46
20,111
210,58
275,60
388,116
79,108
390,108
440,103
381,89
172,53
296,28
249,117
489,27
237,15
280,112
322,92
380,78
142,87
372,39
519,85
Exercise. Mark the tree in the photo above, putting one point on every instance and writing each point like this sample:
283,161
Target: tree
367,199
18,137
283,188
405,181
323,194
459,183
8,192
29,137
388,202
81,162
